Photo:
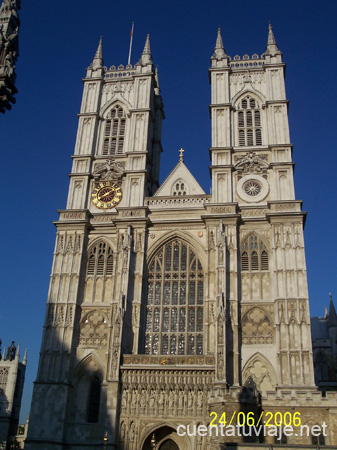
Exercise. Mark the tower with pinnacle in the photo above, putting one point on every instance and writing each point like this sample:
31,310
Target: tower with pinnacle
12,378
166,303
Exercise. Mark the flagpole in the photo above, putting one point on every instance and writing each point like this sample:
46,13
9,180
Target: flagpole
131,36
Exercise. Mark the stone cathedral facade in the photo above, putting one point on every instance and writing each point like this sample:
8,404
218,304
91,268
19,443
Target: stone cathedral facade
167,303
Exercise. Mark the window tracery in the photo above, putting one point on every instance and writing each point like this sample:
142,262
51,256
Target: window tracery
249,122
174,311
114,132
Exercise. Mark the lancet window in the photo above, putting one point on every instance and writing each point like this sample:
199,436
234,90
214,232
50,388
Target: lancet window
175,298
249,122
94,400
114,132
100,261
254,255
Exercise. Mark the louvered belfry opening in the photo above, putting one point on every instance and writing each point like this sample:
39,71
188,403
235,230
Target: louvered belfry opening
100,260
254,255
175,297
249,123
114,133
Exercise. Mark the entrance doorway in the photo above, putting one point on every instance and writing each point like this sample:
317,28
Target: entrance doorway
169,445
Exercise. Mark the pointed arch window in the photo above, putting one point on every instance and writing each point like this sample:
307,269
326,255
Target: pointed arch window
249,123
100,260
94,400
175,302
254,255
114,132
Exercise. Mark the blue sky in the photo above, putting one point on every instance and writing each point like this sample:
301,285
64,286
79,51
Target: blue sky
58,41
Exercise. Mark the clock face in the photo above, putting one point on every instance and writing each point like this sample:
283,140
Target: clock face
106,195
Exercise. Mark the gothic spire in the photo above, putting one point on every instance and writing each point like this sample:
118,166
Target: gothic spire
219,51
146,57
272,48
332,319
97,62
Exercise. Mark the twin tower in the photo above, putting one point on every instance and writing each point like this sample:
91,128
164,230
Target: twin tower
166,303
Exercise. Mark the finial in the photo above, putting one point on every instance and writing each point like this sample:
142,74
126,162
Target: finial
146,57
97,62
17,355
219,51
332,319
181,155
24,361
272,48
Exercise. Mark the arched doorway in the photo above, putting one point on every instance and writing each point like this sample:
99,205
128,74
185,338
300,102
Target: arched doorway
169,445
166,438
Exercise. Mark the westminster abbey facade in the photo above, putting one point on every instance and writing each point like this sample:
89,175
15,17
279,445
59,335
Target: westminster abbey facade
167,303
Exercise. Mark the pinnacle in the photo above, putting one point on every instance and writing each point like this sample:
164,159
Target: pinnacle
97,62
219,51
272,48
146,57
332,320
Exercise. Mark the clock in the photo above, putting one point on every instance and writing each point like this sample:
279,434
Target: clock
106,195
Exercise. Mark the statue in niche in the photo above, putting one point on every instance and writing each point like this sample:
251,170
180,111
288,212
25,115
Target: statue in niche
134,399
181,400
132,431
122,433
161,400
190,399
200,399
124,396
151,402
143,399
171,399
220,364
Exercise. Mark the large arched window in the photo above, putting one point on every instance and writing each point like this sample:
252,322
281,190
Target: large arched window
175,297
249,123
254,255
114,132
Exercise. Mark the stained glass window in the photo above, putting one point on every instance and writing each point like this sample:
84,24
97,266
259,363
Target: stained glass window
174,312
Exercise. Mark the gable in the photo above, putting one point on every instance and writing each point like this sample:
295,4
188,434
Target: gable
179,182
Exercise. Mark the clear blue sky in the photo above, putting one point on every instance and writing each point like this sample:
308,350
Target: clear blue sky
58,41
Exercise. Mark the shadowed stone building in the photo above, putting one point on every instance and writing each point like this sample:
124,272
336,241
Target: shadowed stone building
9,51
166,303
12,378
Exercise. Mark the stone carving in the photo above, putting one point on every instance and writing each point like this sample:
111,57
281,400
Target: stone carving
181,201
132,431
286,207
122,432
254,212
110,170
251,163
9,51
257,327
222,210
94,328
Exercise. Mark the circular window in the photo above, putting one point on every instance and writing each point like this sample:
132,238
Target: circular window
252,188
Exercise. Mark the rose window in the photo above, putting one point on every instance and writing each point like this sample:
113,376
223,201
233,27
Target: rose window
252,188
